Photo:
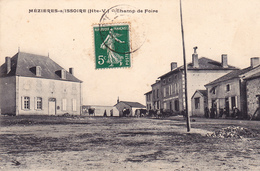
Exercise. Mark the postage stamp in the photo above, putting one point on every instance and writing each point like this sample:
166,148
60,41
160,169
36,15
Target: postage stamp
112,46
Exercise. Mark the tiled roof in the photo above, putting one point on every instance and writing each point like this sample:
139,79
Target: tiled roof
148,92
204,64
257,75
203,92
22,64
133,104
231,75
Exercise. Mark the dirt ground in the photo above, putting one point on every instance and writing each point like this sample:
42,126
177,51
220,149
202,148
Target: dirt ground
97,143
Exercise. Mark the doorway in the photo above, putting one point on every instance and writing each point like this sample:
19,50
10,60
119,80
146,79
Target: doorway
52,106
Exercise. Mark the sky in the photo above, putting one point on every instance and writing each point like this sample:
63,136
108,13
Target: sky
215,26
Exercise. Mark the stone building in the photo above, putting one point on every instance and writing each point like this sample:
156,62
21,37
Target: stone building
36,85
229,91
253,96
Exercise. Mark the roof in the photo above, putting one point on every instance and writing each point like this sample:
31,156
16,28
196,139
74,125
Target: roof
204,64
149,92
202,92
156,82
133,104
231,75
22,64
257,75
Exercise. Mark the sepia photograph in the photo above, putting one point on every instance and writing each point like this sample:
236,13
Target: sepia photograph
117,85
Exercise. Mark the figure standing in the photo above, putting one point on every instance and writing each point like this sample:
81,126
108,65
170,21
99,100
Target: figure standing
109,44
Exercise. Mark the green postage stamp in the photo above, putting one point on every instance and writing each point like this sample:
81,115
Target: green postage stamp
112,46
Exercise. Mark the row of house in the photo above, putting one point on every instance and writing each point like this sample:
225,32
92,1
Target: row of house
209,84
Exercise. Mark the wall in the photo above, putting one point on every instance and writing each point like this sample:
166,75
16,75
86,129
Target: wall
196,79
253,89
171,88
7,95
47,88
221,94
148,99
120,106
156,87
199,111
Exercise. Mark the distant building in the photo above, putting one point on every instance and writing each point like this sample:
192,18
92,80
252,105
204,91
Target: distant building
36,85
100,110
199,72
253,95
229,91
199,102
131,106
148,97
156,95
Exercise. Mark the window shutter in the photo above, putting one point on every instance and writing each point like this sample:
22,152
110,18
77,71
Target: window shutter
22,102
35,103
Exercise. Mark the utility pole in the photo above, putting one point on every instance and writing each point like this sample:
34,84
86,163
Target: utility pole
185,73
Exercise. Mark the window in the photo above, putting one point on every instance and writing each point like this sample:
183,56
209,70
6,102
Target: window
213,90
167,91
64,104
153,94
197,102
39,103
74,105
38,71
63,74
26,104
164,92
228,87
157,93
164,81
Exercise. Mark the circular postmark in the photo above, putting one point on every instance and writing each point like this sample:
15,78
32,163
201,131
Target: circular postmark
119,33
121,16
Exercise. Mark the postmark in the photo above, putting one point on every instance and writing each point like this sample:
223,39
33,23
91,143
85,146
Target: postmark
112,46
119,34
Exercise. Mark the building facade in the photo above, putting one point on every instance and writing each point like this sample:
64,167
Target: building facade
229,91
148,100
156,95
36,85
131,106
199,102
253,96
199,72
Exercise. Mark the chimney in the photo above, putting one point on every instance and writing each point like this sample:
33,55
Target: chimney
224,62
254,62
195,60
71,70
117,99
8,64
173,65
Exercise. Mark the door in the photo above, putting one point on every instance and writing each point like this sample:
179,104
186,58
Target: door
52,106
227,106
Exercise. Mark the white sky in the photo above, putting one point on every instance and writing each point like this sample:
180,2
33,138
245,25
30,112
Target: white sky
216,26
